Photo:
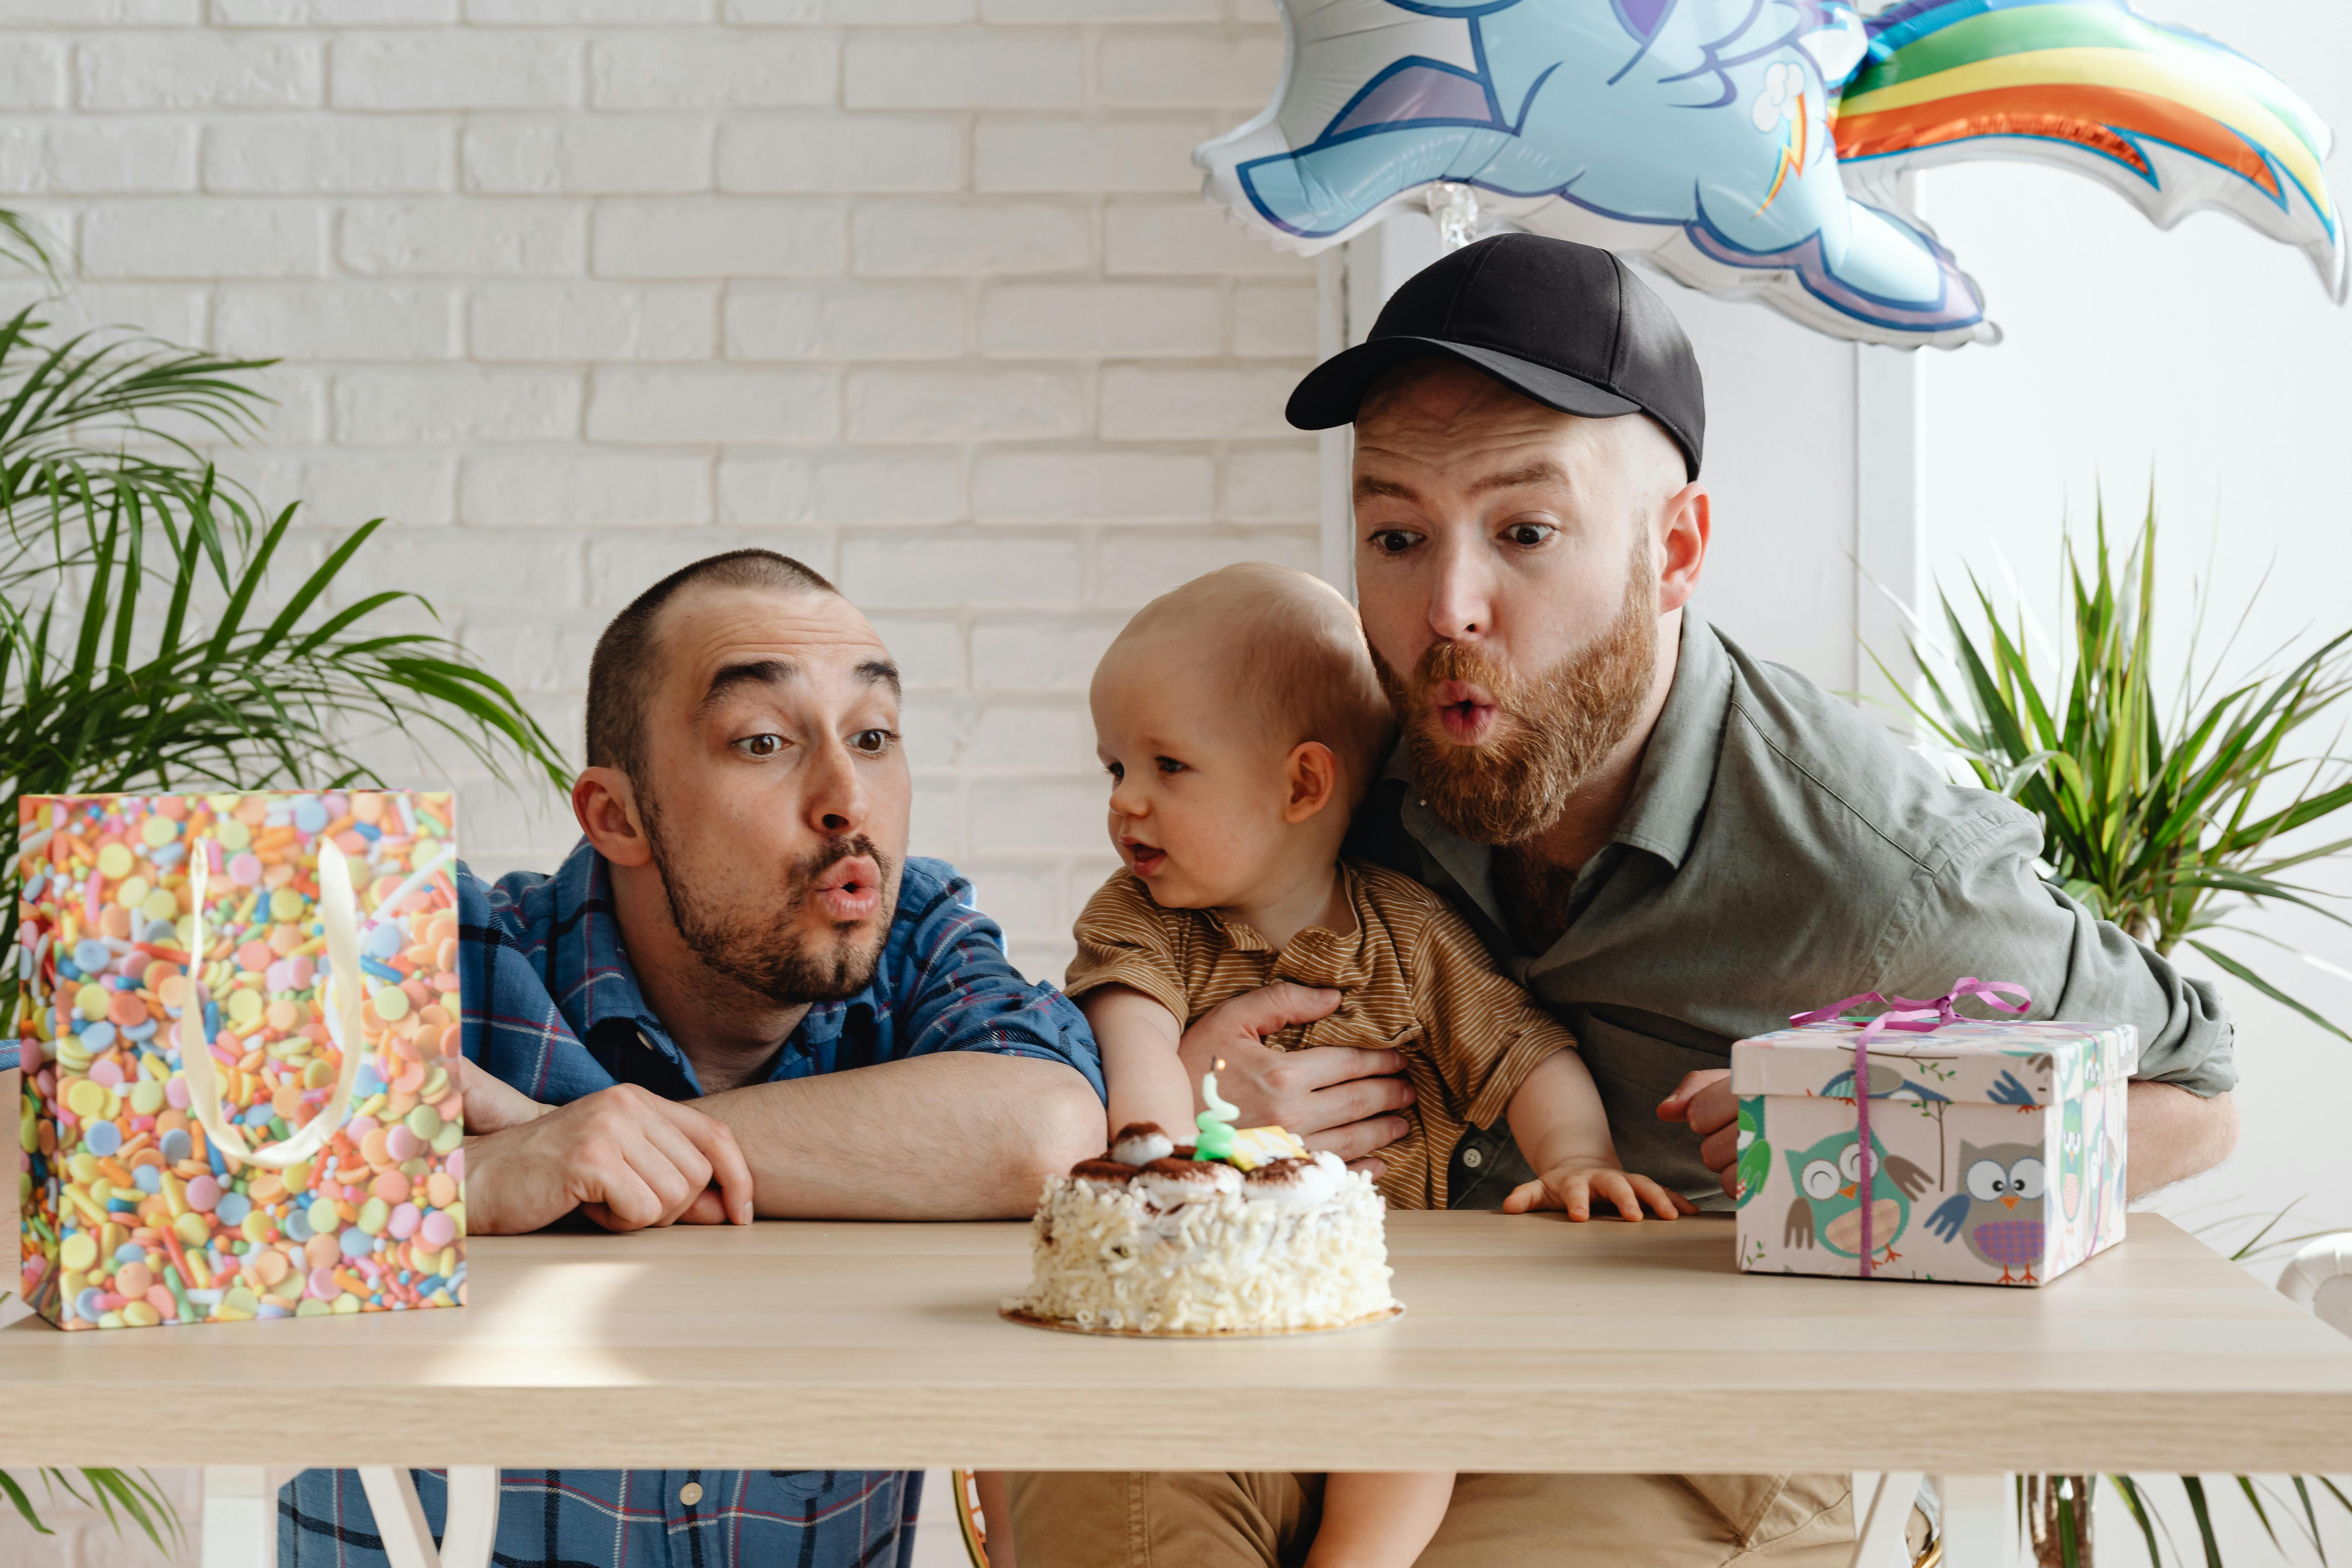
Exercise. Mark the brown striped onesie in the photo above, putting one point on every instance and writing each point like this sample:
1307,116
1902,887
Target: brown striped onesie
1413,978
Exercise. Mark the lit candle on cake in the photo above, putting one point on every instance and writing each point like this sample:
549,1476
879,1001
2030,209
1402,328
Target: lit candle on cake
1216,1123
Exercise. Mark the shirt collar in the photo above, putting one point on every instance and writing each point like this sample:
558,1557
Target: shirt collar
1670,792
586,913
1315,944
603,1002
1677,774
607,998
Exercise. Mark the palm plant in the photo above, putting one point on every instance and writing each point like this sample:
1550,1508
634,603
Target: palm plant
109,675
115,533
135,647
2165,818
131,1495
136,1496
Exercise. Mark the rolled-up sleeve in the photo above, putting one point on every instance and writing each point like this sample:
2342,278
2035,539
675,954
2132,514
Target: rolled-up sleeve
1988,914
962,994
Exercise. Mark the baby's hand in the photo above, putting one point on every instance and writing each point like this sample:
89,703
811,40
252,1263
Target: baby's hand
1575,1184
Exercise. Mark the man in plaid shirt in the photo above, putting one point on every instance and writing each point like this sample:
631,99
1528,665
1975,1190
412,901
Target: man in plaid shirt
646,1026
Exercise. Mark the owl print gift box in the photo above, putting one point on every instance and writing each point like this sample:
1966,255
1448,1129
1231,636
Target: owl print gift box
1996,1149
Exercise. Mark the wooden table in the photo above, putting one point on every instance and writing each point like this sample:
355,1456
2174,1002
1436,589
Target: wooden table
1530,1344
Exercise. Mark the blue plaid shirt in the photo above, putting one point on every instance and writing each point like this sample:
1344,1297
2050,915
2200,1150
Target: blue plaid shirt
552,1007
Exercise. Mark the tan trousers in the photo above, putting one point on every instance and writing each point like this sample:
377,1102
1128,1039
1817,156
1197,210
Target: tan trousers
1267,1520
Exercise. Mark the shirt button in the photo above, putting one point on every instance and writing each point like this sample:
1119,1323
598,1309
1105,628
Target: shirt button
690,1493
1473,1158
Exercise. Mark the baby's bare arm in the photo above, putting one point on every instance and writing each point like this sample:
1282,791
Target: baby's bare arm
1379,1520
1142,1070
1563,1130
1557,1115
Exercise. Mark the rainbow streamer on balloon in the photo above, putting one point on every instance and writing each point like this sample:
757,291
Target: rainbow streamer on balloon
2093,86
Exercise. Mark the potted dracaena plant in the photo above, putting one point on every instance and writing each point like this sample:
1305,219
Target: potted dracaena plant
2174,817
152,635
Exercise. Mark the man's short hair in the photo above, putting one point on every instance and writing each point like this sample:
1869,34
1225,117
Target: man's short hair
1291,653
626,666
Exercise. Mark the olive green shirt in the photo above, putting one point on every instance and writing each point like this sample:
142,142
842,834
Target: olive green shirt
1780,851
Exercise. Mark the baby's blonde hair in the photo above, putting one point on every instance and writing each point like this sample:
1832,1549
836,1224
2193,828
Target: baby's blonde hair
1291,653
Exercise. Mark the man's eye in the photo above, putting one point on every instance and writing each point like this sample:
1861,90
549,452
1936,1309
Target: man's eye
873,743
1394,540
1168,765
759,745
1529,534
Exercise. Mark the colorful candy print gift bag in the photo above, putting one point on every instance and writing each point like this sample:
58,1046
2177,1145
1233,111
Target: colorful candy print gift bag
236,1019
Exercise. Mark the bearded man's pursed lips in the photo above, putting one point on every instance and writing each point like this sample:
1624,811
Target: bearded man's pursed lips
1465,710
851,890
843,881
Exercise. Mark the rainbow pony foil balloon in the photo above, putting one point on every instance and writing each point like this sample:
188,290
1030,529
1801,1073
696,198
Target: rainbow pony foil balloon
1751,146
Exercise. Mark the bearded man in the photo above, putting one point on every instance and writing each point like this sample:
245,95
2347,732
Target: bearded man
739,996
1669,842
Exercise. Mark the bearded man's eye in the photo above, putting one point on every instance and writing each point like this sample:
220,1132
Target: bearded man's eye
1394,540
1529,534
874,743
759,745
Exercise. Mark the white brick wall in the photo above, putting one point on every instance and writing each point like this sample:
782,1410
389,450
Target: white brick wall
576,289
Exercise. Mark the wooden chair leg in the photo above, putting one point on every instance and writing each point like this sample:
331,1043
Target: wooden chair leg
970,1520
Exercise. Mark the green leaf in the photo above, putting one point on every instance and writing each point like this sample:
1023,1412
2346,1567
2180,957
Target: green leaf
2270,1226
2253,1499
2310,1520
116,672
2161,820
2204,1517
2129,1490
2069,1530
2267,989
25,1510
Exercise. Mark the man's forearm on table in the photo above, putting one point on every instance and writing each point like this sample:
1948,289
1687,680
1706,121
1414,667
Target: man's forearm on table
959,1135
2174,1134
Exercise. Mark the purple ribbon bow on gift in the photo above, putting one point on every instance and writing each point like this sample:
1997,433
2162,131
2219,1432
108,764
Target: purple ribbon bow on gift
1911,1017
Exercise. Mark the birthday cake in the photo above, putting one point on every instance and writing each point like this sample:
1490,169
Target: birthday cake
1257,1237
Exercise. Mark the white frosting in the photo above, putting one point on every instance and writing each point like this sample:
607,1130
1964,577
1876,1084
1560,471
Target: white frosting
1210,1259
1306,1187
1144,1150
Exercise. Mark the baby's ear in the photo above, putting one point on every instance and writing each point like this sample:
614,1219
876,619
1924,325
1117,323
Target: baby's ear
1311,774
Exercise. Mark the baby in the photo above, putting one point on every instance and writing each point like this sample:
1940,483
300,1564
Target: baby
1241,722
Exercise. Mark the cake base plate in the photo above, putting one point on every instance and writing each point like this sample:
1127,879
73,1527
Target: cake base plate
1030,1319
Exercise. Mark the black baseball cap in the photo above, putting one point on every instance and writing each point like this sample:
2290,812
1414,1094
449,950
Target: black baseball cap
1569,325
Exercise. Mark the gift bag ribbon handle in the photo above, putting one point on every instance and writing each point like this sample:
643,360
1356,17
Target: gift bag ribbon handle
337,908
1910,1015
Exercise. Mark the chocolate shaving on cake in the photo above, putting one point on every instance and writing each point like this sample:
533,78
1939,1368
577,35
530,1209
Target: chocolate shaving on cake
1278,1173
1184,1170
1101,1170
